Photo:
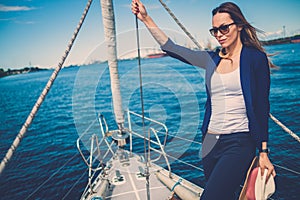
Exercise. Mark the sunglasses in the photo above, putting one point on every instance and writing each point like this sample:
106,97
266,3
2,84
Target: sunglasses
224,29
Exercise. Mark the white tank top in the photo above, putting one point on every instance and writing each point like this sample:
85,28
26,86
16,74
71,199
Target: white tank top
227,103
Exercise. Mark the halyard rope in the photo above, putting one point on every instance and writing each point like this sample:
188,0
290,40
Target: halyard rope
40,100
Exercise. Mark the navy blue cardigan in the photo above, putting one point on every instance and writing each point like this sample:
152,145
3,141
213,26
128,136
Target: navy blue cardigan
255,82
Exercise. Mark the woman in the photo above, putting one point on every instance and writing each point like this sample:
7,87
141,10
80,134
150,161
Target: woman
237,109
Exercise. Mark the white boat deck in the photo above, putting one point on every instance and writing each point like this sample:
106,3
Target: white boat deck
124,174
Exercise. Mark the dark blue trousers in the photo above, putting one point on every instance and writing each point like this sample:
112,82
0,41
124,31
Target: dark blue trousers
226,159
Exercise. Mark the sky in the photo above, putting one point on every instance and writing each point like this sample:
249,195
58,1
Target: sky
37,32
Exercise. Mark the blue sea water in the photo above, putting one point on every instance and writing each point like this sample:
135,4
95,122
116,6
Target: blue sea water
47,164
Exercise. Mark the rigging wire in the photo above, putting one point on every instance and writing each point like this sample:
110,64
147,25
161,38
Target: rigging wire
142,105
195,142
180,24
79,179
141,80
50,177
44,93
279,166
286,129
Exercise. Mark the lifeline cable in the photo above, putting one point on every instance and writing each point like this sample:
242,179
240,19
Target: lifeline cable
44,93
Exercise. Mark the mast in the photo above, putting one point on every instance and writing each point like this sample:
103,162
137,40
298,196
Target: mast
108,18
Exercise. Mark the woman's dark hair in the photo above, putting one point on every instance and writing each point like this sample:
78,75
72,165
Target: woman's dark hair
248,32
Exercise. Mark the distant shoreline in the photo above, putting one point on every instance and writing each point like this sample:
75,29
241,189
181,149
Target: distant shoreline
25,70
284,40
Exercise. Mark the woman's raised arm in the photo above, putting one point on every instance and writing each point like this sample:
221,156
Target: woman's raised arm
189,56
139,9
